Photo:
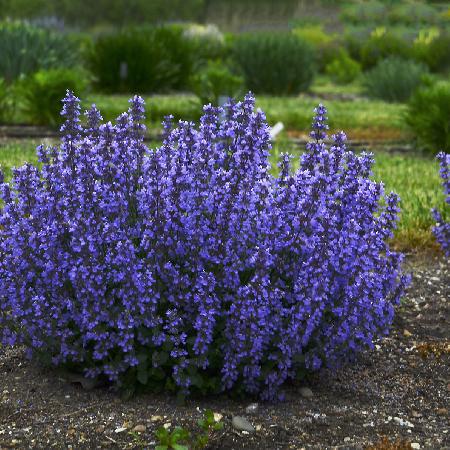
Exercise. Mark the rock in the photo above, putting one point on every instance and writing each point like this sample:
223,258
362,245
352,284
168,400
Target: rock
156,418
347,439
120,430
242,424
442,411
306,392
416,414
218,417
403,423
140,428
415,445
407,333
252,408
167,425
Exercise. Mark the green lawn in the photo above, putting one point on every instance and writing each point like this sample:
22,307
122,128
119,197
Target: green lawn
413,177
295,112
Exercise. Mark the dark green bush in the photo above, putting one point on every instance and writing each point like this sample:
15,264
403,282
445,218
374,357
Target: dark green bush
5,101
381,45
343,69
151,59
428,116
275,63
432,47
25,49
214,81
42,92
394,79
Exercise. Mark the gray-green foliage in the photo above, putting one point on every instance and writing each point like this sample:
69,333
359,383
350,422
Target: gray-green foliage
25,49
394,79
275,63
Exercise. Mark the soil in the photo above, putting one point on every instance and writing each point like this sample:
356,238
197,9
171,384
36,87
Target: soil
401,390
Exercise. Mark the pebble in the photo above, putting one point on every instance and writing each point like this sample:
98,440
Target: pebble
306,392
416,414
242,424
120,430
407,333
403,423
347,439
217,417
252,408
415,445
139,428
156,418
442,411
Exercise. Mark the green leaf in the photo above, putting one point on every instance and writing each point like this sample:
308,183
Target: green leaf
180,447
142,376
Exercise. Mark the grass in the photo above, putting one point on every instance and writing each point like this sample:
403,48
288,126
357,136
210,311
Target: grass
415,178
294,112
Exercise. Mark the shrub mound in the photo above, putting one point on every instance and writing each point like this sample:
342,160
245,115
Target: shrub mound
190,267
394,79
274,62
442,228
427,116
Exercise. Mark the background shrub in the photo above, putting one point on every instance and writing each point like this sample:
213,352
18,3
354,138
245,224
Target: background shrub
216,80
326,46
190,267
371,11
25,49
40,93
343,69
6,101
206,43
151,59
394,79
275,63
428,116
382,44
432,48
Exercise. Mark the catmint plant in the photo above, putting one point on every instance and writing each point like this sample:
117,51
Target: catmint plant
189,266
442,228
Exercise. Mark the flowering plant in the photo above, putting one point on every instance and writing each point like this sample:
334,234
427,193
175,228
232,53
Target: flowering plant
190,266
442,228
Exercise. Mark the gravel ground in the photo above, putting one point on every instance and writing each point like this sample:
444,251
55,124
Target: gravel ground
400,390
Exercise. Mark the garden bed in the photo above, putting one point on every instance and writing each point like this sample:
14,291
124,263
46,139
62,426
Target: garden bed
394,390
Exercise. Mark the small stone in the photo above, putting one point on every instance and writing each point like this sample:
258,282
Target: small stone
416,414
258,427
120,430
442,411
415,445
139,428
242,424
167,425
407,333
252,408
347,439
306,392
100,429
156,418
217,417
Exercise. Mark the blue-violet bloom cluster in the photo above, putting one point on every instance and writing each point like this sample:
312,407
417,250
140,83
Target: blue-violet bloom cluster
191,262
442,228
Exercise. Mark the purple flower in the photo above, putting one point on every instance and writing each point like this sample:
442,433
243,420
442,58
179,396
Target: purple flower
190,261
